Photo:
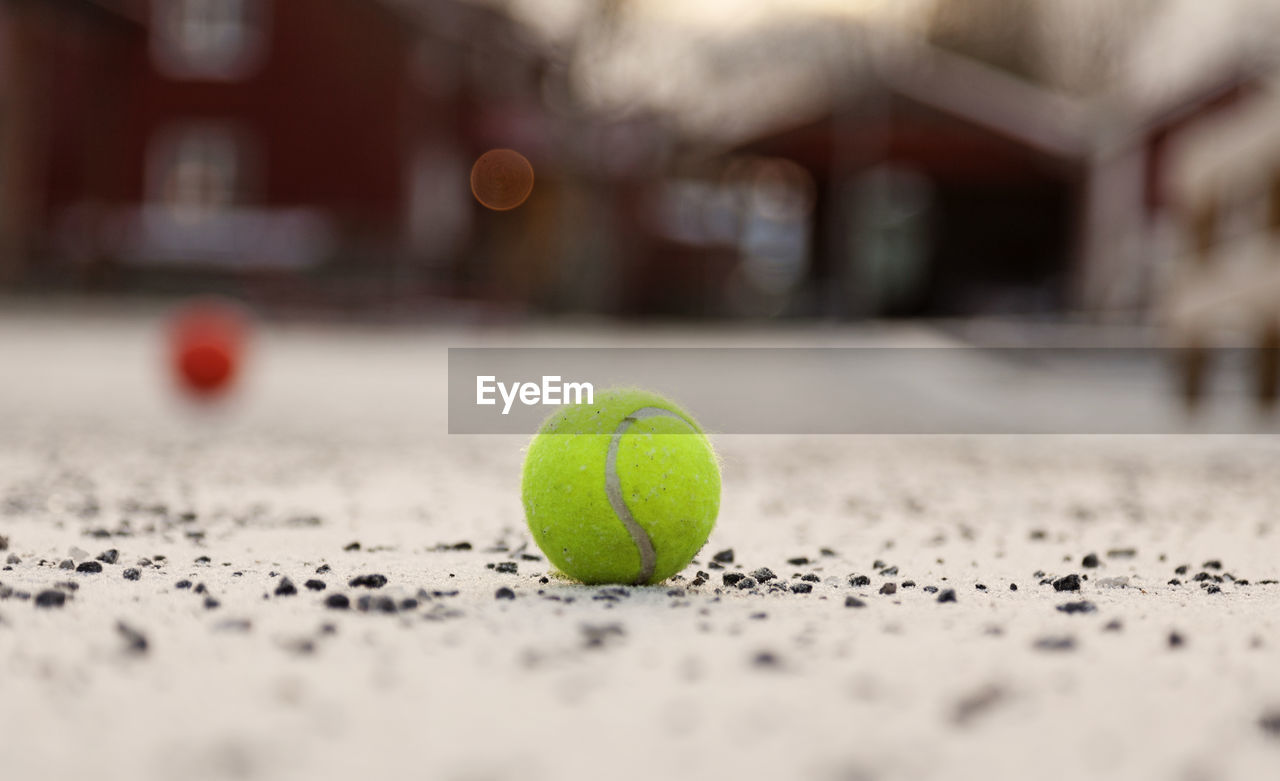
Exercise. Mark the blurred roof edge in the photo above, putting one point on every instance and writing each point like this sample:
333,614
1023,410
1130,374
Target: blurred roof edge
1044,120
1195,52
1039,118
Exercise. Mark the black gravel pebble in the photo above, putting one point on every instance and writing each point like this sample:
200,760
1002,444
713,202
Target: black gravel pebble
1175,582
732,578
1083,606
368,581
1182,569
351,546
1090,560
595,636
1202,576
1013,586
980,586
725,556
322,569
182,584
1176,640
376,604
50,598
1066,643
1122,553
67,564
1270,723
316,585
504,593
854,602
135,642
798,561
1213,590
211,604
947,595
13,559
203,560
1067,583
889,589
765,659
811,578
746,583
802,588
859,580
89,566
888,572
908,584
764,575
927,589
1212,564
286,588
509,567
109,556
1114,625
337,602
132,573
974,705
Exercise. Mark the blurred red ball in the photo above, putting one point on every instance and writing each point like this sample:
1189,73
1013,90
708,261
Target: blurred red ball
207,341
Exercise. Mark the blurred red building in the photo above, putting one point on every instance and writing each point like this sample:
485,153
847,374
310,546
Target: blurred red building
252,141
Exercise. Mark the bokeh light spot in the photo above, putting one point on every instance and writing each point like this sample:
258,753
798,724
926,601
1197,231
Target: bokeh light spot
501,179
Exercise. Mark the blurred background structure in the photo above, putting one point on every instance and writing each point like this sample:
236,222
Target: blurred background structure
825,158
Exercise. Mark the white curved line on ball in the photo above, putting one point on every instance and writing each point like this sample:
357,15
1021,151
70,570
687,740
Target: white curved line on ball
613,488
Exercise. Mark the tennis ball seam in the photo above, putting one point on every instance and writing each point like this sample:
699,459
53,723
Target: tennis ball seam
613,489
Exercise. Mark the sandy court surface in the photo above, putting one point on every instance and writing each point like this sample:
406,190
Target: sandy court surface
208,665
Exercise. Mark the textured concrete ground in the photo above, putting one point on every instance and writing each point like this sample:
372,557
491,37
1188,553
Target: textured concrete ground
208,665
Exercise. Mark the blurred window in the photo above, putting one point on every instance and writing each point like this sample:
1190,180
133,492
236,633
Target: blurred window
208,39
197,171
438,220
891,241
776,224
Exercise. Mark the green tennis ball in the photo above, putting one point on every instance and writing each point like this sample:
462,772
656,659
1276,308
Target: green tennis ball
624,490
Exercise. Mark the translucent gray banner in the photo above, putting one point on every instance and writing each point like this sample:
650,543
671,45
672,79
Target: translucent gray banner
881,390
